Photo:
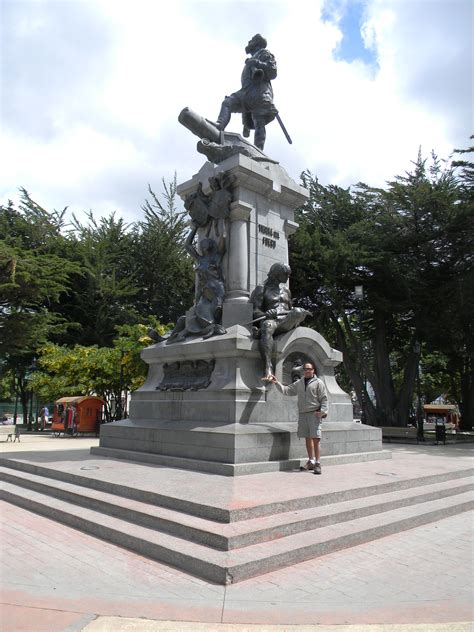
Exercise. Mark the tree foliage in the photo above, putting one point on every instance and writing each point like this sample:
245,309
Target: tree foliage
33,277
408,246
66,286
109,372
75,296
163,268
104,293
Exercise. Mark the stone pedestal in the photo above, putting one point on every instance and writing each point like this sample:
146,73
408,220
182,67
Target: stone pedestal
236,424
261,219
204,405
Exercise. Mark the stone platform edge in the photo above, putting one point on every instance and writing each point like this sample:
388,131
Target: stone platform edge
234,469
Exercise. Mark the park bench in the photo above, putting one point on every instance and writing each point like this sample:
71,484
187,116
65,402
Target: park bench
397,432
440,433
10,431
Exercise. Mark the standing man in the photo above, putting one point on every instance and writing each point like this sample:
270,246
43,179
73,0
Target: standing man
312,408
255,98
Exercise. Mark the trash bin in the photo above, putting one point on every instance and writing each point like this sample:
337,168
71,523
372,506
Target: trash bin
440,432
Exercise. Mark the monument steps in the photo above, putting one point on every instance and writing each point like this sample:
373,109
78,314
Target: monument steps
235,469
153,498
175,522
229,536
226,567
225,514
249,545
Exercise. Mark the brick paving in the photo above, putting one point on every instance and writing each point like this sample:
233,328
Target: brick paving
56,579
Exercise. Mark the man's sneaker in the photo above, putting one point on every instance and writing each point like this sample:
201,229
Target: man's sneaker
307,466
317,468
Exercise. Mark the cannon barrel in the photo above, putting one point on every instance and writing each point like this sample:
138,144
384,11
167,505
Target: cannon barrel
199,126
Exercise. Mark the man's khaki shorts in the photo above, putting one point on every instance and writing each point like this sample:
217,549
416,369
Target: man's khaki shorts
309,426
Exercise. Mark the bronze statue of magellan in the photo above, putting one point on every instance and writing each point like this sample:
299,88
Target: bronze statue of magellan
255,98
255,102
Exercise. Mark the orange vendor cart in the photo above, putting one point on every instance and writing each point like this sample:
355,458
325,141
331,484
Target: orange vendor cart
74,415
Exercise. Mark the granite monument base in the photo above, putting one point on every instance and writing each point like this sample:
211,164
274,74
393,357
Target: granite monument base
204,407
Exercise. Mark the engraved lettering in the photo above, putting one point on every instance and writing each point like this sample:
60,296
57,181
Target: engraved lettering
270,243
268,232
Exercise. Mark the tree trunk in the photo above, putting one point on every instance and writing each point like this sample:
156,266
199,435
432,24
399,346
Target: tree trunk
383,386
23,394
467,394
354,374
24,399
391,409
405,396
107,414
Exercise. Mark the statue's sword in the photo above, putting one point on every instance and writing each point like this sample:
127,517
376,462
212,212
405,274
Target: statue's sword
287,136
256,320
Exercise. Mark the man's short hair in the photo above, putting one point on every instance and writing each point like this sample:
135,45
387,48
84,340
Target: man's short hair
309,362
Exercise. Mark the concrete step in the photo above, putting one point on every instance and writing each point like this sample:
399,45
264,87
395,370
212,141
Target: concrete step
228,514
235,469
175,522
126,491
271,528
238,534
263,558
226,567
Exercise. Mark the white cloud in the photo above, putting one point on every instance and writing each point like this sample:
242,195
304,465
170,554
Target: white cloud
91,91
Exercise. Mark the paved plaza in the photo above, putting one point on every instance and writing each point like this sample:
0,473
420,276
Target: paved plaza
57,579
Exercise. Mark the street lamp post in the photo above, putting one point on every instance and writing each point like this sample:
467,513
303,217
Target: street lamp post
120,415
32,369
419,412
30,416
359,295
15,414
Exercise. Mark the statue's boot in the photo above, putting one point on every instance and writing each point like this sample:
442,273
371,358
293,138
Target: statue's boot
260,136
224,117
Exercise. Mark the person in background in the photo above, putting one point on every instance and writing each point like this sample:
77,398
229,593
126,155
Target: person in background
44,416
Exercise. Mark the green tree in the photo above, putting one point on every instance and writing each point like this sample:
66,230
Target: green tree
401,244
163,268
109,372
128,272
104,293
452,333
74,284
33,276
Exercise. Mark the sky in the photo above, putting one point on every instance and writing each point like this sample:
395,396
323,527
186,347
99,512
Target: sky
90,90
